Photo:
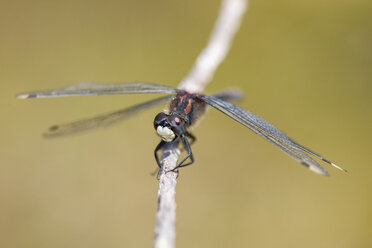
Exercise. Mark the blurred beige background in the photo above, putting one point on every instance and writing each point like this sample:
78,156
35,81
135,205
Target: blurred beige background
303,65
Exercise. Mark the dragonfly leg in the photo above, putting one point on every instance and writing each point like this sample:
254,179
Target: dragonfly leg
189,154
191,136
158,147
192,140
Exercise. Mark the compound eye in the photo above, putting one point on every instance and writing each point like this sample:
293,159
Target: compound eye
159,118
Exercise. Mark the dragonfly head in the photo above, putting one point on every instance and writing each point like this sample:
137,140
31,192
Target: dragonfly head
169,127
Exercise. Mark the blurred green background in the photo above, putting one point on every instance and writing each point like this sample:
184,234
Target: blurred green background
303,65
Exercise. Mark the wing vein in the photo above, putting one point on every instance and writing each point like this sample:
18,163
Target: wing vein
103,120
89,88
267,130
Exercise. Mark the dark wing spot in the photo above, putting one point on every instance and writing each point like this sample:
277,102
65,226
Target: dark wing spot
306,164
53,128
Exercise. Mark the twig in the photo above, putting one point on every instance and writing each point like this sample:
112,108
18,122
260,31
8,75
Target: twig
165,231
214,53
228,22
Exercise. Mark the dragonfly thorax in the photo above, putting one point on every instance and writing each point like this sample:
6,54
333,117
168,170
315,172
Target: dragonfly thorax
169,127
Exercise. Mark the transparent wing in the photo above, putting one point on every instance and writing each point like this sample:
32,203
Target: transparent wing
269,132
103,120
229,95
88,88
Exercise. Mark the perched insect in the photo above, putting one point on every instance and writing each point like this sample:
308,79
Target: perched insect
172,125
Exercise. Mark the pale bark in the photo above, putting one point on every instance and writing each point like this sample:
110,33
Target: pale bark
226,25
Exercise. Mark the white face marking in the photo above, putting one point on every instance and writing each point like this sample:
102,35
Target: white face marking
165,133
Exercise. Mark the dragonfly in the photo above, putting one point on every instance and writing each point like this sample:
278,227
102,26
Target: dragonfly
173,125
